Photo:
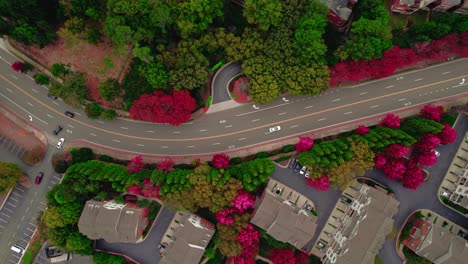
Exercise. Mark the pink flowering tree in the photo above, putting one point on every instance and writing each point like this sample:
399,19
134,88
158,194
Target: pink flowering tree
282,256
425,157
380,161
447,134
304,144
18,66
396,151
427,142
165,165
135,165
301,257
432,112
321,184
394,169
362,130
134,189
149,190
249,238
391,121
243,201
226,216
220,161
413,176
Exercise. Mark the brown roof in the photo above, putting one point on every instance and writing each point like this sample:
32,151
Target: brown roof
443,247
104,220
284,221
190,241
367,234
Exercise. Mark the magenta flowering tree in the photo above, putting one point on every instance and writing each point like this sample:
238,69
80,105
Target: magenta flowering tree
304,144
135,165
226,216
362,130
432,112
243,201
425,157
380,161
321,184
427,142
282,256
220,161
165,165
390,121
249,238
134,189
149,190
396,151
447,134
413,176
395,168
18,66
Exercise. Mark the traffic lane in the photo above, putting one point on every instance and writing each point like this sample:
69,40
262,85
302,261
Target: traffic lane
146,251
219,86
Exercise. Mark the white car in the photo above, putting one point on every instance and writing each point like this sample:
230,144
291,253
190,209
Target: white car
307,174
437,153
303,170
60,143
274,129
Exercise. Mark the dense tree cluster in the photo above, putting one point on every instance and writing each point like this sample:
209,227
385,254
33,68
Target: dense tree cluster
418,126
327,154
282,256
10,173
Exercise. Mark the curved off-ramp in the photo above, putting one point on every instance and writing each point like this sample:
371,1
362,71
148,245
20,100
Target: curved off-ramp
221,98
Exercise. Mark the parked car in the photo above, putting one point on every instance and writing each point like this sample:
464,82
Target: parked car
38,179
274,129
346,199
57,130
18,249
437,153
297,167
303,170
307,174
52,96
60,143
69,114
292,163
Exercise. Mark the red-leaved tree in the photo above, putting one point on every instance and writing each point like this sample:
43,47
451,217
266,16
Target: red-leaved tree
243,201
395,168
135,165
226,216
380,161
396,151
427,142
432,112
391,121
134,189
249,238
220,161
149,190
304,144
301,257
413,176
17,66
362,130
425,157
174,108
321,184
165,165
282,256
447,134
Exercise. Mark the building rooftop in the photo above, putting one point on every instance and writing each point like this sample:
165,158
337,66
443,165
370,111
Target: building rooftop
283,220
112,222
340,7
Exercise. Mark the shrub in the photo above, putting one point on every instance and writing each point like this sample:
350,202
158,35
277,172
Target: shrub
18,66
108,114
143,203
262,155
81,155
109,89
106,158
33,156
119,199
60,165
220,161
288,148
60,69
236,161
93,110
41,79
105,258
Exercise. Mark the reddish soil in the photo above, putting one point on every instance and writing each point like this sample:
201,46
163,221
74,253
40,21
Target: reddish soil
98,62
18,134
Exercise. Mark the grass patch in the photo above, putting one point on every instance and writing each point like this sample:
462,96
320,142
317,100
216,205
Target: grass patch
449,118
28,257
412,258
457,207
378,260
154,210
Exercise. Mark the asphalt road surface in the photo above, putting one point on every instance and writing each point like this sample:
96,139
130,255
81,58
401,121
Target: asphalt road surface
239,127
220,83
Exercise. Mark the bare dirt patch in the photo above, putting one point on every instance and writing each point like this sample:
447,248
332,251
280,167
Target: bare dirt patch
98,62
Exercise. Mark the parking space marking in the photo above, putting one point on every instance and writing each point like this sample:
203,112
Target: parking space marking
2,226
240,139
228,126
5,215
217,143
9,90
43,203
124,127
336,100
13,199
402,99
16,194
309,106
417,80
3,220
203,130
164,147
446,72
347,113
35,90
17,188
7,209
29,103
150,131
255,120
374,106
115,140
94,135
141,145
363,93
390,86
190,146
283,113
11,204
321,119
176,132
294,126
29,229
55,177
33,224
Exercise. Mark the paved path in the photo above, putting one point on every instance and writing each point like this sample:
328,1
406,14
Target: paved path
221,80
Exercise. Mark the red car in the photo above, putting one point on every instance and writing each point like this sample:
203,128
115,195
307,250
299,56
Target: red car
38,179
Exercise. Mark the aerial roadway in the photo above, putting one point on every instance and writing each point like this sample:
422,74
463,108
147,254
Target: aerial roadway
239,127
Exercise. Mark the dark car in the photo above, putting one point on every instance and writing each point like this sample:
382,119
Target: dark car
57,130
297,167
52,96
69,114
38,179
346,199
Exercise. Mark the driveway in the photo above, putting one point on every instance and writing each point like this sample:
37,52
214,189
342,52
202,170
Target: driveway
146,252
423,198
220,83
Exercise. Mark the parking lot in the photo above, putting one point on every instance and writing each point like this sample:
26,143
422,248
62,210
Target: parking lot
12,147
297,168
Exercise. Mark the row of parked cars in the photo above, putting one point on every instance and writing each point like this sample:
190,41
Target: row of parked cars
296,167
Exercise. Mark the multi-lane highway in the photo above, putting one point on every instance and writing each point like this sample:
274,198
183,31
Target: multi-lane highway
241,126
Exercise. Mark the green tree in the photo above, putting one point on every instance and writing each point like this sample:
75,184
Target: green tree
194,16
93,110
80,155
60,216
191,71
263,13
61,69
41,79
58,235
255,172
308,41
105,258
110,89
10,173
79,243
108,114
155,74
75,25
